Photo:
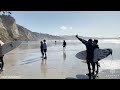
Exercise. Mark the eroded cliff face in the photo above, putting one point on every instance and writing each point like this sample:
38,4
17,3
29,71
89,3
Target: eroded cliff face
4,35
9,24
25,34
9,30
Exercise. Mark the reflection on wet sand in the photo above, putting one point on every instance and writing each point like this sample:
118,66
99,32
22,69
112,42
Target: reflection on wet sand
81,76
64,55
28,46
44,67
104,74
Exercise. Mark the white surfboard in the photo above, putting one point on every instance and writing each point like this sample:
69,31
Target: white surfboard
99,54
7,47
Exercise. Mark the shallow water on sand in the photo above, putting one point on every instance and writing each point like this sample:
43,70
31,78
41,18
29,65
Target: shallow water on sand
24,62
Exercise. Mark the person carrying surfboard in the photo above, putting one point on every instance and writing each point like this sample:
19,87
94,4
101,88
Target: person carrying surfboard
90,50
95,45
1,57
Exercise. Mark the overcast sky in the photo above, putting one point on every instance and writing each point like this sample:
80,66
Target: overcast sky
83,23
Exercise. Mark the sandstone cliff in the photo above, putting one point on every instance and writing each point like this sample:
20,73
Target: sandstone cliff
9,30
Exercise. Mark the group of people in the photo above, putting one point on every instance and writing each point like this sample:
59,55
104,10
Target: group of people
43,47
90,47
1,56
64,44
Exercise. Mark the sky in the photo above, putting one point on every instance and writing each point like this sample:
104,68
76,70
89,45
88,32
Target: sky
83,23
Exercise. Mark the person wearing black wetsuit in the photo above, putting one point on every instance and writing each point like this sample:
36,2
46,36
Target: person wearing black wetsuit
64,44
89,49
95,42
41,48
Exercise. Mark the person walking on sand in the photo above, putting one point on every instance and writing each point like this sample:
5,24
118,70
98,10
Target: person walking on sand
90,50
41,48
64,45
45,48
1,57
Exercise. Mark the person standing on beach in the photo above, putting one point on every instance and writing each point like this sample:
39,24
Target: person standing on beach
64,44
55,42
45,48
41,47
1,57
95,45
90,50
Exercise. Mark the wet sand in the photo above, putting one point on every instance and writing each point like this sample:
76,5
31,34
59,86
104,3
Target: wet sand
25,62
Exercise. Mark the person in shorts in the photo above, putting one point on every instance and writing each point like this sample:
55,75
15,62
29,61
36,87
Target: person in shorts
44,49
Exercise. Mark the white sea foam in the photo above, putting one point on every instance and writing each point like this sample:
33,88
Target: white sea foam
116,41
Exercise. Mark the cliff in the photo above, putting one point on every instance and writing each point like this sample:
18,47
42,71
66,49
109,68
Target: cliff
9,30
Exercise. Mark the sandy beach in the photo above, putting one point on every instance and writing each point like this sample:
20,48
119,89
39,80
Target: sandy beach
25,62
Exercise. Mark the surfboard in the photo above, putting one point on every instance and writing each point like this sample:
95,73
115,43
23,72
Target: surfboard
99,54
7,47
